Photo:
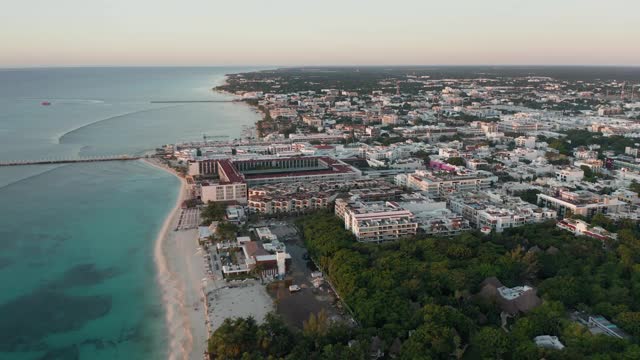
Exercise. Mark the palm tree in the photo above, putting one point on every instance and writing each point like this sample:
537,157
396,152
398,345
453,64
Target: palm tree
257,270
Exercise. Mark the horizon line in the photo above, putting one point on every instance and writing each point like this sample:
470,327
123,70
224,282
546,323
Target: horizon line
314,66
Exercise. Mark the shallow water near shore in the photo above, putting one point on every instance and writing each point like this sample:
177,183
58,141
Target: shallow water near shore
78,278
76,241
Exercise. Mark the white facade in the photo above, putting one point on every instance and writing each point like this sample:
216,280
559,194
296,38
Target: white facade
376,221
526,142
548,342
224,192
493,212
581,203
444,184
569,175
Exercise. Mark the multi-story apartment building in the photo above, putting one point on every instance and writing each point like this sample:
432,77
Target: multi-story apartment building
265,202
312,121
318,137
429,131
628,196
390,119
526,141
518,126
583,203
284,112
446,183
223,192
583,154
569,174
376,221
308,196
594,164
487,214
444,225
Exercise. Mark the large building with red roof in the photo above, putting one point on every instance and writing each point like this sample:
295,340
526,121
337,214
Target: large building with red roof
295,169
227,180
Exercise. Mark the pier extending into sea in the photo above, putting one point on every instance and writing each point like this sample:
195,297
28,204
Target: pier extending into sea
69,161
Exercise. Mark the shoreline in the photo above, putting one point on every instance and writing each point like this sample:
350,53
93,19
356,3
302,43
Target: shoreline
179,281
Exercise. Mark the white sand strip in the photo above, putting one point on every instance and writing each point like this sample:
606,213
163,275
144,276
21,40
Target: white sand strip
180,270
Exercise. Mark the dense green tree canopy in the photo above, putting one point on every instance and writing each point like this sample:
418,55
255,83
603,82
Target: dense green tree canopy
214,211
243,338
457,161
421,289
419,293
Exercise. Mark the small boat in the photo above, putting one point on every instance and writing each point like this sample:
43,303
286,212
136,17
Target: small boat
45,103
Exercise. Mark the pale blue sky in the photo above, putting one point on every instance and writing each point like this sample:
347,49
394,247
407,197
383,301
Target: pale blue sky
303,32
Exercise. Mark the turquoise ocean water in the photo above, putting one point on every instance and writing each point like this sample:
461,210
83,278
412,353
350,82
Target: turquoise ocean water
76,241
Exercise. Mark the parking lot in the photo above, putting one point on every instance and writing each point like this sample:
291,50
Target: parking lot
285,231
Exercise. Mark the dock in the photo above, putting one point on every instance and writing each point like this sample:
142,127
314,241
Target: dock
69,161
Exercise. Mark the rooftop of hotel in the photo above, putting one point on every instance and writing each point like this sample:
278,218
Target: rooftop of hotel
383,222
337,169
230,171
582,197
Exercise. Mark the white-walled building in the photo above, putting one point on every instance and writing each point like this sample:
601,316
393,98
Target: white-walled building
376,221
583,203
494,212
528,142
582,228
446,183
569,174
223,192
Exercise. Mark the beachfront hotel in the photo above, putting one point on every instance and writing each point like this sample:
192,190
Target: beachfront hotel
295,169
227,180
227,184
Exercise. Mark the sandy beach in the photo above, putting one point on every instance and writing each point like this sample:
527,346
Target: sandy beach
239,299
186,287
180,274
